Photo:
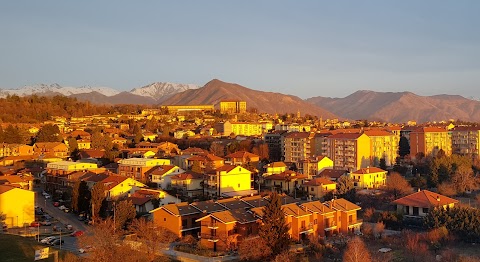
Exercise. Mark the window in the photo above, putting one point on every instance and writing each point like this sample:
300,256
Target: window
311,189
238,185
315,222
164,219
425,210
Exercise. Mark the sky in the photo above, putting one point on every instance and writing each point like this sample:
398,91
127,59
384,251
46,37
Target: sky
304,48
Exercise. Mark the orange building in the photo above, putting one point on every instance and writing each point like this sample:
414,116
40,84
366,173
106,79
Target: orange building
430,140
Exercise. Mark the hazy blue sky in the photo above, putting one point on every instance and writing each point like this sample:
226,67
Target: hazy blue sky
305,48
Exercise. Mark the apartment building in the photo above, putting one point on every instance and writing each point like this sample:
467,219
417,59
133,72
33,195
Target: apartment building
296,147
233,107
312,166
384,145
239,128
137,167
56,149
15,150
17,205
274,141
430,140
466,141
350,151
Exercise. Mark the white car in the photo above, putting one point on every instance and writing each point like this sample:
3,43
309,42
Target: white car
47,239
62,207
47,196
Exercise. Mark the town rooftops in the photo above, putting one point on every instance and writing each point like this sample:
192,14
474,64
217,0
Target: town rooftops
432,129
227,168
294,210
467,128
194,151
160,170
368,170
231,216
317,207
255,201
333,173
319,181
286,176
180,209
276,164
4,189
208,206
425,199
241,154
48,145
233,203
346,136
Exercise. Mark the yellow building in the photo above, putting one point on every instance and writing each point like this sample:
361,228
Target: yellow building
317,187
239,128
17,205
370,177
84,144
64,167
350,151
276,168
189,184
232,107
229,180
466,141
177,108
384,145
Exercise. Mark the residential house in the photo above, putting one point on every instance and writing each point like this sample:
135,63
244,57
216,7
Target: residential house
370,177
200,163
333,174
242,158
15,150
17,205
144,199
188,184
312,166
418,204
275,168
319,186
228,180
65,167
120,186
161,175
20,181
287,181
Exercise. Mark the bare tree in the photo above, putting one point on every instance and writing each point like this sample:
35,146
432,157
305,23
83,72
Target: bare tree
151,237
398,186
463,179
416,248
254,249
378,229
447,189
217,149
356,251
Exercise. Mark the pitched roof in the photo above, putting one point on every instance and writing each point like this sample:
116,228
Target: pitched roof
227,168
138,200
378,133
317,207
294,210
233,203
4,189
92,153
235,215
180,209
368,170
345,136
159,170
342,205
425,199
49,144
319,181
298,135
208,206
255,201
333,173
241,154
431,129
276,164
185,176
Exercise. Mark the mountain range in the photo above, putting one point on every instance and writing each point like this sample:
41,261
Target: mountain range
396,107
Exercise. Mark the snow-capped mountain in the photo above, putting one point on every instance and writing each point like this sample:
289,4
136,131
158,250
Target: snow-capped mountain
162,90
57,89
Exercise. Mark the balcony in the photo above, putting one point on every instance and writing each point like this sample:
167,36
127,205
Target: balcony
209,237
330,226
212,225
356,223
306,229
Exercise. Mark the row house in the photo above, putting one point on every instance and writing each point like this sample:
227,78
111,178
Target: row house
430,140
350,151
466,141
137,167
56,149
384,145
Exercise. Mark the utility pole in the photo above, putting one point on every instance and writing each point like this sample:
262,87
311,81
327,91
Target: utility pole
114,224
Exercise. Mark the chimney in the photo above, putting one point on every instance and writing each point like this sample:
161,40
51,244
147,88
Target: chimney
438,198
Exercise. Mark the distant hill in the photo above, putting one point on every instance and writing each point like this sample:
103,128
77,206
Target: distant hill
161,90
400,107
215,91
120,98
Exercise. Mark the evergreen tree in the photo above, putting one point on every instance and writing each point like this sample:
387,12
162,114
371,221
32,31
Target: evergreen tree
274,230
98,195
83,197
124,212
48,133
403,147
75,196
383,164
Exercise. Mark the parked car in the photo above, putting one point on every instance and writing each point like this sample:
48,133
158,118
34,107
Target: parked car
69,227
76,233
48,239
56,204
57,242
46,223
81,218
62,207
47,196
35,224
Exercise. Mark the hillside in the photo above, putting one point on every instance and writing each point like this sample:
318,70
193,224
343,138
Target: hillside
400,107
269,102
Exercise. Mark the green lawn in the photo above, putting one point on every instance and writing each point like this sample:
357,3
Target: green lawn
17,248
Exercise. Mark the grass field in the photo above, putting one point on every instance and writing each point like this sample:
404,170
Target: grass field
17,248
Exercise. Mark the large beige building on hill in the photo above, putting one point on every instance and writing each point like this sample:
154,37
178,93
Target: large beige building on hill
233,106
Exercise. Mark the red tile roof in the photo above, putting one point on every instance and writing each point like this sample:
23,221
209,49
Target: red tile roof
319,181
368,170
345,136
189,175
425,199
